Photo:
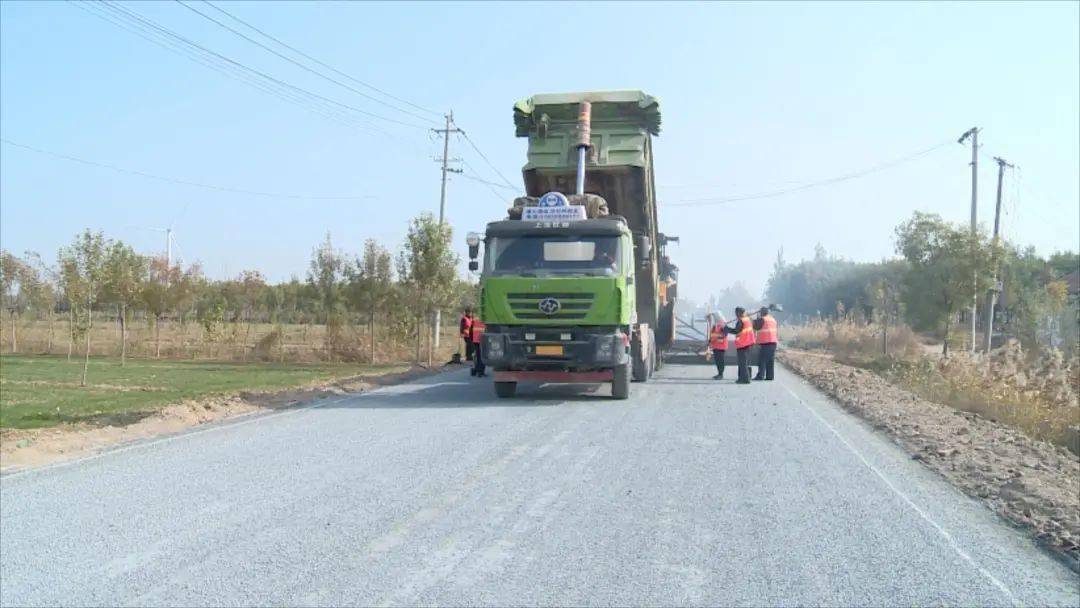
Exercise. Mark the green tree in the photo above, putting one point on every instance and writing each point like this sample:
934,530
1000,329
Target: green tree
251,285
326,274
948,265
13,273
125,275
84,261
41,290
427,267
370,285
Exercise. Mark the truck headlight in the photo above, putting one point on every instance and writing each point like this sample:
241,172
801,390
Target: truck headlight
493,345
605,348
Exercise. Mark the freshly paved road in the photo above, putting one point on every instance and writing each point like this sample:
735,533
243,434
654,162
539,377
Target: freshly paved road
692,492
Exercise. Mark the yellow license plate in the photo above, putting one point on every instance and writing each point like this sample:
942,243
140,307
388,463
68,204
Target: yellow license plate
549,351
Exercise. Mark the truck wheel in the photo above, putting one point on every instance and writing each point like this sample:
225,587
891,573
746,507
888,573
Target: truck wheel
505,390
640,364
652,353
620,385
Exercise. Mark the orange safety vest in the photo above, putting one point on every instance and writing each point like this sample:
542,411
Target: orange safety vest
477,330
746,336
718,338
466,326
767,334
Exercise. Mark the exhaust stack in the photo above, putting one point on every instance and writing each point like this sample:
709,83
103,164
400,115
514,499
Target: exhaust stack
584,133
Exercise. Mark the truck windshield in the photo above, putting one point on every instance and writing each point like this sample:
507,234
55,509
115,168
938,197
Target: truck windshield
546,255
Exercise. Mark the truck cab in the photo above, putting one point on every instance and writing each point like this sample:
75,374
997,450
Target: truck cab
558,301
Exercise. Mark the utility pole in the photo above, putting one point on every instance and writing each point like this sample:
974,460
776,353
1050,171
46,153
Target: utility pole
446,168
973,133
1002,163
168,247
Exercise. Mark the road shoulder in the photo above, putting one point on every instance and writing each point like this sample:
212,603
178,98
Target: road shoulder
26,449
1032,484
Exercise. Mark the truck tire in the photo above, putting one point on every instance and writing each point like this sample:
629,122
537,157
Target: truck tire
652,353
640,363
620,385
505,390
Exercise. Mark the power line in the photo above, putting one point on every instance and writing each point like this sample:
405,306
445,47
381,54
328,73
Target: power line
476,178
304,67
490,185
814,184
474,147
310,58
206,60
264,75
307,99
183,181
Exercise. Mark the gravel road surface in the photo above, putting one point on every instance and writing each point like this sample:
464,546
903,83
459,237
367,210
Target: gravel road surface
434,492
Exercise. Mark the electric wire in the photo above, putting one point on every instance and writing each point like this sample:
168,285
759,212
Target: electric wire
307,99
490,185
489,163
814,184
172,34
226,70
308,69
323,64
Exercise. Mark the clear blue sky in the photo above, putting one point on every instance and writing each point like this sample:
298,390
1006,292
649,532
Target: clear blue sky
756,97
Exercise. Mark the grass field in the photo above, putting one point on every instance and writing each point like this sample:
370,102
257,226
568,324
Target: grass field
42,391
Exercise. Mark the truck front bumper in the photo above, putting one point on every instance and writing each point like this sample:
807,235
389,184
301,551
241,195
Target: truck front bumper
604,375
555,349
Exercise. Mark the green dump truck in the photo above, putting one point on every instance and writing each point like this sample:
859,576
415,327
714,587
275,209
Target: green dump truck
576,284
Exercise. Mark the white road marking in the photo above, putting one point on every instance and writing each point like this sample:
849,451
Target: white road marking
942,531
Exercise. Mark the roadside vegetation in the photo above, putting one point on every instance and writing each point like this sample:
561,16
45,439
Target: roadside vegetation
905,320
38,391
370,306
105,334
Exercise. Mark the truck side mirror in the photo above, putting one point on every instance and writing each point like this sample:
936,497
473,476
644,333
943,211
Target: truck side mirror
473,241
474,265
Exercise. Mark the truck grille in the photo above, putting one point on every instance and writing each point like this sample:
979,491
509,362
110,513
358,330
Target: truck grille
571,305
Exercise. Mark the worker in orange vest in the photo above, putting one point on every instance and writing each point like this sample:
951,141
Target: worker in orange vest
718,343
465,329
767,337
478,359
744,339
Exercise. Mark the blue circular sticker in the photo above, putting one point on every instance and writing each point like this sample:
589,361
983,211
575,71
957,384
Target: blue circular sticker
554,199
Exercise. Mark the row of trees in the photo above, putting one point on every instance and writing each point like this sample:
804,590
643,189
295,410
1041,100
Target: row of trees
98,276
930,285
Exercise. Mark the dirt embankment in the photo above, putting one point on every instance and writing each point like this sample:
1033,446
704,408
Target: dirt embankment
22,449
1033,484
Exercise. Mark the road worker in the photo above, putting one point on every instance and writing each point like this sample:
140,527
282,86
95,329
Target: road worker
478,358
767,337
465,329
718,342
744,339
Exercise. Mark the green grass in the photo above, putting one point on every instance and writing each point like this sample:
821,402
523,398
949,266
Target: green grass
43,391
